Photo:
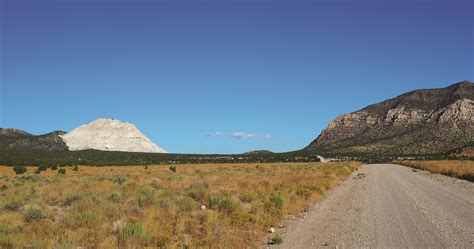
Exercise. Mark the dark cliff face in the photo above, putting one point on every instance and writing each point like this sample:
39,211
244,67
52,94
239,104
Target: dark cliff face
13,139
421,122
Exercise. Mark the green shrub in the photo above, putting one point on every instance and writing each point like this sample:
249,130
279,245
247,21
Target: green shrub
278,201
224,204
62,171
19,169
164,202
6,241
3,188
3,228
131,235
42,168
82,219
33,214
55,167
75,168
186,204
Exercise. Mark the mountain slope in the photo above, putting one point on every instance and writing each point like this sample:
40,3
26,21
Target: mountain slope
109,135
430,121
13,139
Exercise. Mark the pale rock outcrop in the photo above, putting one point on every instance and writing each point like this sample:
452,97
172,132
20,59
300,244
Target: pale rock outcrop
461,110
110,135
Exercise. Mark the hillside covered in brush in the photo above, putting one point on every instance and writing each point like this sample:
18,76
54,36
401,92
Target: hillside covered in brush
421,122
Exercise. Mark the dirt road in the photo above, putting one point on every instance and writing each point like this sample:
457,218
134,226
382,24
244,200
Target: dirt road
388,206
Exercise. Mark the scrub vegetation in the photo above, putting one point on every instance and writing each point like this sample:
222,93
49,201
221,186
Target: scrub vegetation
209,205
462,169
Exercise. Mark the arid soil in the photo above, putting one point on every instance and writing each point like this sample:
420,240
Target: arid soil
388,206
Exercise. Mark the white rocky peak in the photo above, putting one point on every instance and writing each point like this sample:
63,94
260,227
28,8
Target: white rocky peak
110,135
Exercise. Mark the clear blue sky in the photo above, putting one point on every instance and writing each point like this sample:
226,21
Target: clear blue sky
190,74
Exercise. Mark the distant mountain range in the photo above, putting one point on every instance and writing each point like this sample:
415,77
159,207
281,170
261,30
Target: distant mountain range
421,122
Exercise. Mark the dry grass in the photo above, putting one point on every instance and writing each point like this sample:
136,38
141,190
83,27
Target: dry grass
127,207
463,169
466,152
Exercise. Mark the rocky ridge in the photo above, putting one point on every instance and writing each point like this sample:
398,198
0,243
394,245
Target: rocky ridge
419,122
13,139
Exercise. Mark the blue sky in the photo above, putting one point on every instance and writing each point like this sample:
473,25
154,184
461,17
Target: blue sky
222,76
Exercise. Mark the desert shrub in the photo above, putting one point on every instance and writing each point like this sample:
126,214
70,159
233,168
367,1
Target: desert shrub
13,205
164,202
32,214
277,200
173,169
248,197
119,179
154,182
146,196
42,168
33,178
132,234
75,168
54,167
214,202
5,238
62,171
198,192
224,204
70,199
19,169
303,191
277,240
82,219
467,177
185,204
3,228
229,205
114,197
6,241
3,188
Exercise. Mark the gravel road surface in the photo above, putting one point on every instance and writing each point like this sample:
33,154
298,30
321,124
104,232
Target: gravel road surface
388,206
